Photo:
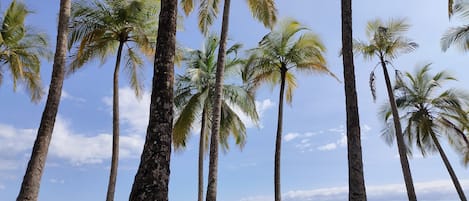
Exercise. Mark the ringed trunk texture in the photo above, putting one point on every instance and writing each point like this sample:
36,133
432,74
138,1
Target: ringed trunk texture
216,115
357,190
111,188
152,178
32,178
201,157
399,137
278,138
448,166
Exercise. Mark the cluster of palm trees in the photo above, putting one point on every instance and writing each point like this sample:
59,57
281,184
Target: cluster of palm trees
201,98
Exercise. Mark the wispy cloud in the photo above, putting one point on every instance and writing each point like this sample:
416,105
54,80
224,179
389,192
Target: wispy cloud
442,190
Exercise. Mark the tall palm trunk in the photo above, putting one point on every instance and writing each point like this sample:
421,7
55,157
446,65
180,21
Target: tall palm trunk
216,112
32,178
152,178
399,136
451,172
357,191
115,128
201,157
278,138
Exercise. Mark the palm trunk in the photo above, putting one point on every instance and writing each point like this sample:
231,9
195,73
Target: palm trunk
451,172
152,178
215,138
278,138
115,128
201,157
399,136
357,190
32,178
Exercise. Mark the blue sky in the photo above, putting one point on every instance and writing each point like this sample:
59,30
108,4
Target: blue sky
314,156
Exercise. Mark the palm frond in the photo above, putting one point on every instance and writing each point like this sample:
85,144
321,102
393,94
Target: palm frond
264,10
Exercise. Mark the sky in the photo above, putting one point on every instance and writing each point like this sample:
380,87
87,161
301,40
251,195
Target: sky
314,157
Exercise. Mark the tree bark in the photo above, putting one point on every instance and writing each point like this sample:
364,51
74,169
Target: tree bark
32,178
399,136
357,190
152,178
115,128
448,166
216,112
278,138
201,157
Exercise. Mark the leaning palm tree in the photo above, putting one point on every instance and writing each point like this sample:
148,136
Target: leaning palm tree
21,48
289,46
265,11
193,100
32,178
386,42
101,28
429,113
152,179
357,191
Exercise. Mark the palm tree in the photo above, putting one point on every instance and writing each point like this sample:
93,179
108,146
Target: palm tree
152,178
21,48
265,11
32,178
386,41
429,113
357,190
192,99
101,28
457,36
279,52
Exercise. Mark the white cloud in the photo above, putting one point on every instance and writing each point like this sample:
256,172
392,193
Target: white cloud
76,148
327,147
57,181
67,96
290,136
133,111
430,191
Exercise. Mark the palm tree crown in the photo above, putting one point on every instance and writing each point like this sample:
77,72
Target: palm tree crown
100,26
21,48
194,92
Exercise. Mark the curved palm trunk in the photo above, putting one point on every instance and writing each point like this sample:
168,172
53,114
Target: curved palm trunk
201,157
32,178
215,138
278,138
399,137
357,190
152,178
448,166
115,128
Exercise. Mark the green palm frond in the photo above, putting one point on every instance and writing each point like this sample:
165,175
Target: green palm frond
264,10
134,68
21,48
185,120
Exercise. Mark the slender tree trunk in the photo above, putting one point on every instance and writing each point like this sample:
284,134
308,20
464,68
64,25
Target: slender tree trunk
357,191
201,157
152,178
111,188
32,178
399,136
215,134
278,138
448,166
